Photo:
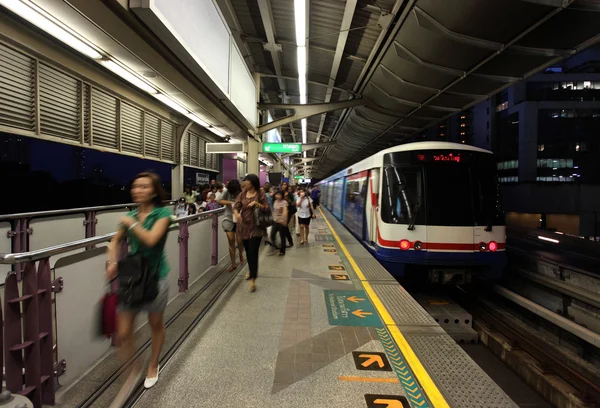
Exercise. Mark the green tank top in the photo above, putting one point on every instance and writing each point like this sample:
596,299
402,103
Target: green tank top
156,256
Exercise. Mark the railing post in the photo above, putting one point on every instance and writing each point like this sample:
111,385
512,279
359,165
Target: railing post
184,273
215,240
44,285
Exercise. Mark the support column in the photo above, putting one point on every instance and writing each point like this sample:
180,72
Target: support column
277,167
252,156
177,181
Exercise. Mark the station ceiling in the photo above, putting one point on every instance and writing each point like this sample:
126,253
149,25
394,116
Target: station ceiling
414,62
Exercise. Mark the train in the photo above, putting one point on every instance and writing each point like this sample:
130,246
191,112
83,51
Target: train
425,210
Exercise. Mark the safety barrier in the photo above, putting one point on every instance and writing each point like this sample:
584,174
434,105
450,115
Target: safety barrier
50,306
37,230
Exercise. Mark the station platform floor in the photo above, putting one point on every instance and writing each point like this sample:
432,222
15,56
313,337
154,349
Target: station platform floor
326,327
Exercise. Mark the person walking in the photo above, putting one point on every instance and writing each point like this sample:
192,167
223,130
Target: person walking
247,210
229,226
280,218
147,229
306,212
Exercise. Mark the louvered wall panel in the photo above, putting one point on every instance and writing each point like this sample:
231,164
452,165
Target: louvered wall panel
87,131
17,90
194,139
152,136
186,149
60,103
104,119
131,128
168,140
202,154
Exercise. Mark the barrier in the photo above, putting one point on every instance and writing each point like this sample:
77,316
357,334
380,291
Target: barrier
41,341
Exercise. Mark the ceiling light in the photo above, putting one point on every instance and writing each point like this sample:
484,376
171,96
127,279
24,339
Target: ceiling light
301,55
300,17
128,76
49,24
171,103
198,120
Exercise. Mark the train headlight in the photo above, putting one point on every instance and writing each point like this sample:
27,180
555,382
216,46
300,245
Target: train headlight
482,246
493,246
405,245
418,245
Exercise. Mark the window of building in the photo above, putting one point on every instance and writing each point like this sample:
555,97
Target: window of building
555,163
513,179
540,148
503,106
463,125
507,165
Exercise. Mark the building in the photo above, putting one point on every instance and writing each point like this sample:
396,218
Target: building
544,132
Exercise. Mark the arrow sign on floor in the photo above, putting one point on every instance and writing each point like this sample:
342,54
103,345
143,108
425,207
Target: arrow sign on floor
354,299
386,401
361,314
389,403
370,359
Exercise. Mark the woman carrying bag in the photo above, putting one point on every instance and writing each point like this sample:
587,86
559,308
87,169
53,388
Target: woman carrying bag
306,212
253,215
142,275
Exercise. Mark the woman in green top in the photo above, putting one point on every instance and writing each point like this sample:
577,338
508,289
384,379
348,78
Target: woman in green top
146,227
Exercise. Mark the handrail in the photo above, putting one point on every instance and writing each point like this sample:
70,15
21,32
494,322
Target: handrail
14,258
72,210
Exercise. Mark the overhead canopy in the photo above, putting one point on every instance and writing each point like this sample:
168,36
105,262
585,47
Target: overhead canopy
422,62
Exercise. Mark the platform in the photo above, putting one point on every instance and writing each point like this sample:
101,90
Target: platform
327,327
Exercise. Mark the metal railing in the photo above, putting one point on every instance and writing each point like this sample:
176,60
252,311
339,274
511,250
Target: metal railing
50,305
42,229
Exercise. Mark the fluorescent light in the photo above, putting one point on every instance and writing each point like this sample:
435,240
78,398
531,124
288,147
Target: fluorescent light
300,17
555,241
128,76
198,120
171,103
49,24
217,132
301,54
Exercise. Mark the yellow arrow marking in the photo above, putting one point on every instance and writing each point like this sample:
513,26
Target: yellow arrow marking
367,379
340,277
416,396
354,299
413,390
420,404
361,314
371,358
389,403
408,384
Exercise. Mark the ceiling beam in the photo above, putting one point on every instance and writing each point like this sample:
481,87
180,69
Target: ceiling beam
266,16
337,58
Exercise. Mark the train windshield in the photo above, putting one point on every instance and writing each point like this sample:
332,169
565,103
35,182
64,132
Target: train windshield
441,188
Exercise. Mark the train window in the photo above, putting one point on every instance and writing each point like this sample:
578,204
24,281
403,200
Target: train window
488,208
402,195
449,195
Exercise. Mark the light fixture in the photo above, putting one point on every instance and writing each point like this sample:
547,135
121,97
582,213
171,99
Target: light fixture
49,24
300,21
198,120
128,76
171,103
554,241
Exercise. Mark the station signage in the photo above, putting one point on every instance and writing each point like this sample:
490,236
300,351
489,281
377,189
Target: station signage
282,147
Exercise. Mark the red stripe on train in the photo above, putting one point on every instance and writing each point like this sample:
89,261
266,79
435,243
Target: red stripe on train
439,246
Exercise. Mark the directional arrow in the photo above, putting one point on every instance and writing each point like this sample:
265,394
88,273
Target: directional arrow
361,314
371,358
354,299
420,404
389,403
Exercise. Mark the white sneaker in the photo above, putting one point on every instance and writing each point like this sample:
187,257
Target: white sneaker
151,382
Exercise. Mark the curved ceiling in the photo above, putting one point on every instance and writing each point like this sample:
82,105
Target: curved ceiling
414,62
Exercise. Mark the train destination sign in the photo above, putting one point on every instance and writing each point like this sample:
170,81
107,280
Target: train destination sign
282,147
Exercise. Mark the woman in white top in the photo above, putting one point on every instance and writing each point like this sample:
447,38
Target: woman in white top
306,211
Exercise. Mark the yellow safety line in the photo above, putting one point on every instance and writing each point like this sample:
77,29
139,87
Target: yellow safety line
433,393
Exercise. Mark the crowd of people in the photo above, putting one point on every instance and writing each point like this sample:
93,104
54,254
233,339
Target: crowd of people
252,214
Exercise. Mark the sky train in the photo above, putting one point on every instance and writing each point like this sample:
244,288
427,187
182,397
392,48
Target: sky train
425,210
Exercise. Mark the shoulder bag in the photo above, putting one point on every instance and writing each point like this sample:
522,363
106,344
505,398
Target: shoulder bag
137,283
263,219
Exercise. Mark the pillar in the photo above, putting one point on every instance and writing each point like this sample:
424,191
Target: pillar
277,167
252,156
177,181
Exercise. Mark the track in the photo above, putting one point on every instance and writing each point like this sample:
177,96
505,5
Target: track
206,297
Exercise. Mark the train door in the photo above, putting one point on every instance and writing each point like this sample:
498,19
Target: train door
372,208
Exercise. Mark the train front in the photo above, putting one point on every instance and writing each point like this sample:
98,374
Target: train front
441,215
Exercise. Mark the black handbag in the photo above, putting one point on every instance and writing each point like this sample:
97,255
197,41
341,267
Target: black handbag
262,219
137,283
